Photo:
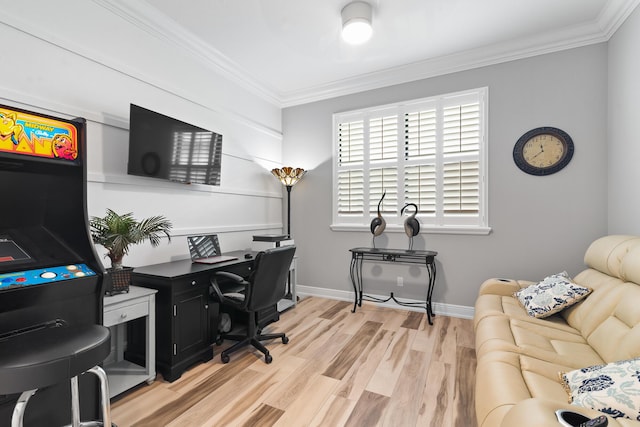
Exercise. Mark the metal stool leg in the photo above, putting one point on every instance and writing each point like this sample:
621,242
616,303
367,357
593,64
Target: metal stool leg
104,401
104,394
75,403
21,406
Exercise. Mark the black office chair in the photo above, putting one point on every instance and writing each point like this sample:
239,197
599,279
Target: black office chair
264,288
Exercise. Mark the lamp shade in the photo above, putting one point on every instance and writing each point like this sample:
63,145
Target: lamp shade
356,22
287,175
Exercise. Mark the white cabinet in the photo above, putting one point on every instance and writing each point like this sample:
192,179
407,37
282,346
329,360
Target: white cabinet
118,310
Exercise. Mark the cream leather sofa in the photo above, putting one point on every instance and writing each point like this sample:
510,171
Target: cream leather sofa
519,357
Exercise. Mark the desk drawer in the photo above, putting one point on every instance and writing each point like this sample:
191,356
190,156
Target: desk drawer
200,281
125,314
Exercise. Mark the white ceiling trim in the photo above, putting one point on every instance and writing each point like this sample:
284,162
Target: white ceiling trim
77,48
144,16
147,18
614,14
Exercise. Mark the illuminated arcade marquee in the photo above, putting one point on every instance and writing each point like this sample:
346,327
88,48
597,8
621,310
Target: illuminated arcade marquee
28,134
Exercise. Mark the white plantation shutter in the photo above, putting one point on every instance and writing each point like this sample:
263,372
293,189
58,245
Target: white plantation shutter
381,181
430,152
461,152
351,192
351,160
420,135
420,187
460,188
420,145
383,138
351,143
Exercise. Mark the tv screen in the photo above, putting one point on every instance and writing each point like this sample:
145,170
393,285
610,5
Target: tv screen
167,148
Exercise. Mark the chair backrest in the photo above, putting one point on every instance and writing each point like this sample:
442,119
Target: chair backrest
268,280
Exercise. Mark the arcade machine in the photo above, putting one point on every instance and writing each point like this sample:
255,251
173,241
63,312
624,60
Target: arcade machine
50,275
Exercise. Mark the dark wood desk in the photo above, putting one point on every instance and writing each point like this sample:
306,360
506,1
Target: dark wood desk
186,320
426,258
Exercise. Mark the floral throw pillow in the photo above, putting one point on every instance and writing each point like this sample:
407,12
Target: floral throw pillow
553,294
613,388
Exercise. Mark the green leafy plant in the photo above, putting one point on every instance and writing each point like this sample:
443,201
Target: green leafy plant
117,232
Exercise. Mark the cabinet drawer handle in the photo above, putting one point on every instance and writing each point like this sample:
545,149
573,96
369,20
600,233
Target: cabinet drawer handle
123,315
193,282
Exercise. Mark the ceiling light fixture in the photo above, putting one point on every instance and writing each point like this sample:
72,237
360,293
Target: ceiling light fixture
356,22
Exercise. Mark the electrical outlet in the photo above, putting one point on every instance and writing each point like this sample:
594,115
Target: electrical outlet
400,280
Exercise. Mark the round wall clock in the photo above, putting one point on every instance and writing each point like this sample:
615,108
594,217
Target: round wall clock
543,151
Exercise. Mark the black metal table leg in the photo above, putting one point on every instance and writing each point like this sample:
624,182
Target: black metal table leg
359,255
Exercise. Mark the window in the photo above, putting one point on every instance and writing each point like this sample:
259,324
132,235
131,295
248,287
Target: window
430,152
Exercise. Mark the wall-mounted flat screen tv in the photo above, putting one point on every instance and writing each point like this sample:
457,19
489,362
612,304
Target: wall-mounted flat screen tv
166,148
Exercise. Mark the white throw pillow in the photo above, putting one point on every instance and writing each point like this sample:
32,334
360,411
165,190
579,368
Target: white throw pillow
551,295
613,388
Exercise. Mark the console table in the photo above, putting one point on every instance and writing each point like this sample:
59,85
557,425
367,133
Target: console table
426,258
118,310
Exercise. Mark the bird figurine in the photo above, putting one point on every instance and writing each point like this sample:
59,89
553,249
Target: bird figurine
411,224
378,223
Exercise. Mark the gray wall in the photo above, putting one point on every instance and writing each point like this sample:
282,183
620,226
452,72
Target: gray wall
624,128
540,225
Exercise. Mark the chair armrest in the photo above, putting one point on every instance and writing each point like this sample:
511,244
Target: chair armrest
214,288
231,276
505,287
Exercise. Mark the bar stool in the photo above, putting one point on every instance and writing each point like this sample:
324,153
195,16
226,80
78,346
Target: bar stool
43,357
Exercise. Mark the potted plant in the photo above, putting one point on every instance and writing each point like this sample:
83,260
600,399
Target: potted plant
117,232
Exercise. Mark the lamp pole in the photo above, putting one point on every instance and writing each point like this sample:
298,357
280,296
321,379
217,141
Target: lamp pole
288,176
289,210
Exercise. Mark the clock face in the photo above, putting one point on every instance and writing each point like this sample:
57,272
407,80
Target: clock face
543,151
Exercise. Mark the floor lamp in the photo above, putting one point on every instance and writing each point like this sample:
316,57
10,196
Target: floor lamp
288,176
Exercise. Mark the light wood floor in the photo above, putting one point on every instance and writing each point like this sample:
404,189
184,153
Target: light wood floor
376,367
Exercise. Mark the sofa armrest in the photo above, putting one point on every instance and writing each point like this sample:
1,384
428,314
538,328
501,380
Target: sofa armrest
537,412
505,287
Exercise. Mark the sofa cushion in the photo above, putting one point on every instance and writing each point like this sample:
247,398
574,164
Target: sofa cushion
613,388
617,337
591,312
607,253
550,342
551,295
515,378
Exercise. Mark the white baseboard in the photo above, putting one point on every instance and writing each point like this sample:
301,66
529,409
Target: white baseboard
451,310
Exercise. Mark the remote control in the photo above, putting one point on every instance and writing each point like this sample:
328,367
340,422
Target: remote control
600,421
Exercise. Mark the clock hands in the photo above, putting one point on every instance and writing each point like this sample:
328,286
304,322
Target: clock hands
541,151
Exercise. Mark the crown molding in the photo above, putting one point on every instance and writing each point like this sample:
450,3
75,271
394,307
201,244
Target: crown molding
611,18
613,15
145,17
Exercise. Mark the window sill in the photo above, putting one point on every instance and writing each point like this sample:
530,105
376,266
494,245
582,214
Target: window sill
452,229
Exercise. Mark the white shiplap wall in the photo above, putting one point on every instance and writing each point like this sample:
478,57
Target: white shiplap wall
79,58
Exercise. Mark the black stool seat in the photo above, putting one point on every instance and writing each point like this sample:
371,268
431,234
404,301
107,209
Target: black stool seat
44,357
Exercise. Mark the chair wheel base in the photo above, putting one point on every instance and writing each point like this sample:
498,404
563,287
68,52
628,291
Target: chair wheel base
285,340
224,358
268,359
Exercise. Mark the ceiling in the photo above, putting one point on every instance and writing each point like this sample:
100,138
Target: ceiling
290,51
